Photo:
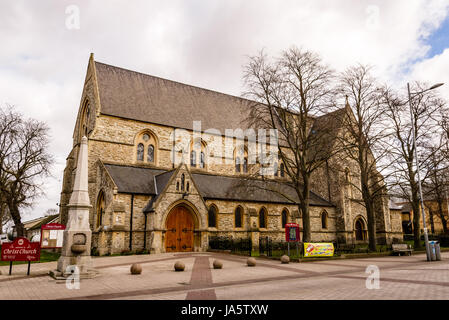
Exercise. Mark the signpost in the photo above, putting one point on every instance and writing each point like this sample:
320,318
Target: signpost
52,235
21,249
292,235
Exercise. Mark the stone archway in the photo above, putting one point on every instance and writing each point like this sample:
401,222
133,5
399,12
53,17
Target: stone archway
180,225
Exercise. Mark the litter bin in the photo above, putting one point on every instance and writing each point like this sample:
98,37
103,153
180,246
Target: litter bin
434,250
437,251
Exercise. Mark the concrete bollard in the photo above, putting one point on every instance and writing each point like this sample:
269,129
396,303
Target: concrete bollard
285,259
251,262
179,266
136,268
218,264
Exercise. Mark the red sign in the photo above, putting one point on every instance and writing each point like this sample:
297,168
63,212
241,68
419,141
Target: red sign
52,235
21,249
292,232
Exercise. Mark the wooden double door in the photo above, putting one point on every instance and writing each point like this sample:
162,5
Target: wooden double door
179,234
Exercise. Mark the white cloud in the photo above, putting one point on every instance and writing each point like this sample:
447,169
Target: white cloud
43,64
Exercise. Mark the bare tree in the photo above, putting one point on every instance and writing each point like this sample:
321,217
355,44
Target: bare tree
23,160
290,92
362,139
426,108
436,187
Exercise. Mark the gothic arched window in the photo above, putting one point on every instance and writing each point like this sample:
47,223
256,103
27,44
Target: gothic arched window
237,164
241,159
198,153
150,157
212,217
146,145
324,219
238,217
140,148
193,158
202,160
100,209
284,217
282,170
183,178
262,218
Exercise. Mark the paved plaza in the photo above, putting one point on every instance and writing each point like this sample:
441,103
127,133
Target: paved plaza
400,278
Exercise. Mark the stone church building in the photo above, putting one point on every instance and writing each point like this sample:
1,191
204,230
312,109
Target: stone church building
143,200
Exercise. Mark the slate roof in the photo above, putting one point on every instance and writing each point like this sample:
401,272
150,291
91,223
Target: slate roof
130,179
133,95
237,188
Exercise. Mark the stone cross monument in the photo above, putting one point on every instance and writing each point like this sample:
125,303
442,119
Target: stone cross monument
77,235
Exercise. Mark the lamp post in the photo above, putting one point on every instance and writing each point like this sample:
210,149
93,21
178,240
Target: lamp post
426,236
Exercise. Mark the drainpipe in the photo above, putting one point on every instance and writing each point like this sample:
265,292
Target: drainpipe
145,232
131,224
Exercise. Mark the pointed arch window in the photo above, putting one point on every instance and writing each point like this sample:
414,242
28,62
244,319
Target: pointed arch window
202,160
284,217
198,151
150,157
212,217
238,217
237,164
193,158
282,170
262,218
146,148
324,219
183,178
140,149
241,159
100,209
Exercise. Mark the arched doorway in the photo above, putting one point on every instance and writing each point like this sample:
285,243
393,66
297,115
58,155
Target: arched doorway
179,235
359,230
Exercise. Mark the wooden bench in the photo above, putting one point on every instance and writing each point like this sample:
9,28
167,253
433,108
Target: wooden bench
400,248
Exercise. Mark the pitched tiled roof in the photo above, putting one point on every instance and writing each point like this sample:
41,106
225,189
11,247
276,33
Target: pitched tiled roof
129,179
139,96
140,180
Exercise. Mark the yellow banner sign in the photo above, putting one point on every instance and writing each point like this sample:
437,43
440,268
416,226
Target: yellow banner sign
318,249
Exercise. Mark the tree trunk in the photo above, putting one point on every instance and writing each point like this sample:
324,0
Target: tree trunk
371,227
15,215
416,225
306,233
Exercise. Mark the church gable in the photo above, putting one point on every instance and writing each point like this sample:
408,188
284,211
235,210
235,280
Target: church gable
176,186
89,105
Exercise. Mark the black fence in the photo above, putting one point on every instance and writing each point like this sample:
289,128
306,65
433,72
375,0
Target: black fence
237,246
443,239
272,248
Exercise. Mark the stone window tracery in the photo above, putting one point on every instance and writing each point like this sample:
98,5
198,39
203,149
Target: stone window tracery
198,154
146,148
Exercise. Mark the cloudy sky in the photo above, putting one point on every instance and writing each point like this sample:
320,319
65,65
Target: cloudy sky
45,46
